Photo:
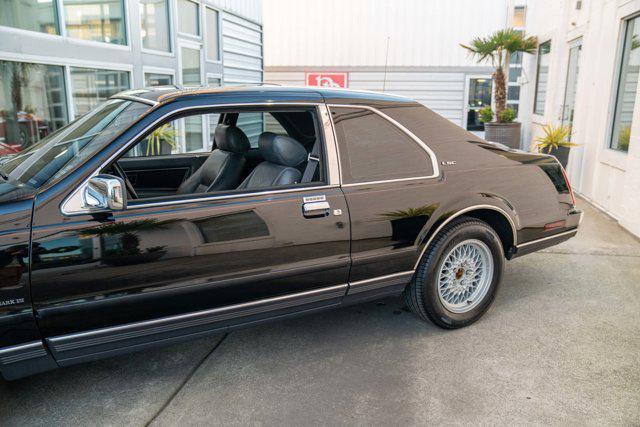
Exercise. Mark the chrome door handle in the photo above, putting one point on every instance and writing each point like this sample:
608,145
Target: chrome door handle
316,209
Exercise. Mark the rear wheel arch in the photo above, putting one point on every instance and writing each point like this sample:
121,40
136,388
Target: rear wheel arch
497,218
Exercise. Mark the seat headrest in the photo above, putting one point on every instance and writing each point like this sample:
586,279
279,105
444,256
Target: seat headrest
231,138
281,149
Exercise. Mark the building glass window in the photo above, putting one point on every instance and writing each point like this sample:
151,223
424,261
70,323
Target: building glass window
32,103
188,17
96,20
213,48
32,15
154,22
191,75
91,87
157,79
542,77
627,86
519,16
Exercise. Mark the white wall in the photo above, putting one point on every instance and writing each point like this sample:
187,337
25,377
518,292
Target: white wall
609,178
355,32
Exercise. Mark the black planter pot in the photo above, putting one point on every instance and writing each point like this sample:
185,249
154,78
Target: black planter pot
562,154
504,133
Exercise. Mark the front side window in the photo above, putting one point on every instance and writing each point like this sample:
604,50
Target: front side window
188,17
70,146
91,87
33,104
191,74
96,20
213,49
177,158
32,15
627,86
154,23
373,149
542,77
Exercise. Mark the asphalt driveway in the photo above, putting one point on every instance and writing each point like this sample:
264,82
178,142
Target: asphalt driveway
560,346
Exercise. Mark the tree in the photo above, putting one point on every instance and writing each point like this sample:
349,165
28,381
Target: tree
497,50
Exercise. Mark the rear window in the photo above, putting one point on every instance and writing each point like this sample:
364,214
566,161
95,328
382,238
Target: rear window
374,149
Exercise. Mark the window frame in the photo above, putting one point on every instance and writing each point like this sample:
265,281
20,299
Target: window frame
206,35
193,45
430,154
126,28
170,29
158,70
535,92
323,130
617,77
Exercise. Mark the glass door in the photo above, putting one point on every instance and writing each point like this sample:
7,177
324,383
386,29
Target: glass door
478,97
569,103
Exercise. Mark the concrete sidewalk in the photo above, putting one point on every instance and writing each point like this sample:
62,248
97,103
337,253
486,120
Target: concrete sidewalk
559,346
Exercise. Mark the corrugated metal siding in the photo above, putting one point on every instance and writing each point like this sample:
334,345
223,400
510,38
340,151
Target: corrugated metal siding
443,92
250,9
242,50
242,63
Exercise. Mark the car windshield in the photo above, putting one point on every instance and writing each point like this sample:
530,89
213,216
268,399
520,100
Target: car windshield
70,146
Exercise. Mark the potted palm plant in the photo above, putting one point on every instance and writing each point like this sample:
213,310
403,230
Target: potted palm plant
497,50
555,140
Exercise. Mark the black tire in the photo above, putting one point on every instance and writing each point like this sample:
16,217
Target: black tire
421,295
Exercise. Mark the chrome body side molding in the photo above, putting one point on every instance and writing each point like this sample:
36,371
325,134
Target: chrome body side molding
544,239
25,359
94,344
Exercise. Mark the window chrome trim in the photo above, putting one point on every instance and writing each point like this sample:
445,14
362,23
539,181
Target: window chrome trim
457,214
72,204
319,188
402,128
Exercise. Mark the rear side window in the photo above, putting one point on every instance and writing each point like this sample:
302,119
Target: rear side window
374,149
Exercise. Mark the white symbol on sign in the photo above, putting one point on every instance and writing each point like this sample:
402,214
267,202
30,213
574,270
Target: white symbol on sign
326,81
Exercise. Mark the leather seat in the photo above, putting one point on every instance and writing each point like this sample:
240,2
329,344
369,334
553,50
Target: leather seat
282,156
223,168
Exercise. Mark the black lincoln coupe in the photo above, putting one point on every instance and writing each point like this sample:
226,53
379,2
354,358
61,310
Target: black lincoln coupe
168,214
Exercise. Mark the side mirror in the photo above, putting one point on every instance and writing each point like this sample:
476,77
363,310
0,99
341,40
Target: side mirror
104,193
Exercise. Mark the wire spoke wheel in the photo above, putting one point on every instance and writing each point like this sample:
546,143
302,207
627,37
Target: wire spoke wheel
465,276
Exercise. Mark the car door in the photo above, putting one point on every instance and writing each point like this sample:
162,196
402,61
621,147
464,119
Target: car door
162,270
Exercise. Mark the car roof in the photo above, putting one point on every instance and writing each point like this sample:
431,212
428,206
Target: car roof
165,94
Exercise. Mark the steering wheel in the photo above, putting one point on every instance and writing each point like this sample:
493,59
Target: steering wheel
130,190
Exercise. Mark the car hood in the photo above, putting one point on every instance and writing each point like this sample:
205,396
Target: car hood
14,192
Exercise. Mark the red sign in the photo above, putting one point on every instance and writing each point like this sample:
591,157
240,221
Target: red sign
327,79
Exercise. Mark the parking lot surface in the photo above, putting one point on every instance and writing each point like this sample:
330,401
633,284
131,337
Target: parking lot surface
559,346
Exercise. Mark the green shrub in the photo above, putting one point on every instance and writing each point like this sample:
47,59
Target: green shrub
507,115
485,115
623,138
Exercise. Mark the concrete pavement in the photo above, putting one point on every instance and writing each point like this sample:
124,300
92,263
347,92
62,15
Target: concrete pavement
560,345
